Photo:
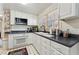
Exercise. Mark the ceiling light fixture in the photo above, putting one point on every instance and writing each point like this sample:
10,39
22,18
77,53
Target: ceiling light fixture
24,3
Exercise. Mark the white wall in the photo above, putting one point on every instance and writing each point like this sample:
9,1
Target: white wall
32,19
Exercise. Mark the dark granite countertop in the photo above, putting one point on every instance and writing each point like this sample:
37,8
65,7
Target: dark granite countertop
17,32
68,42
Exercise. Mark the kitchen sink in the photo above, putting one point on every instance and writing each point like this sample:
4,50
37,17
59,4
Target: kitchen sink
48,35
45,34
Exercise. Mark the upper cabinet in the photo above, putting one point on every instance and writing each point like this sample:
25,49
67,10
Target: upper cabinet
69,10
53,18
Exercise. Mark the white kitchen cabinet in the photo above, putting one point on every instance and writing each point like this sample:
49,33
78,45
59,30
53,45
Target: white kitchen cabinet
30,38
45,46
45,49
53,18
17,40
53,51
69,10
41,44
36,42
74,50
64,50
61,48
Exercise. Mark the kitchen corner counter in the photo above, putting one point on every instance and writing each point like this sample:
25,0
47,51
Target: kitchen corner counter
68,42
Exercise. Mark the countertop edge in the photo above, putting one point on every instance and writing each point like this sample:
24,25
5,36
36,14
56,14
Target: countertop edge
56,41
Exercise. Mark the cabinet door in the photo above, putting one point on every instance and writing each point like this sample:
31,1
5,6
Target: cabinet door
59,47
45,46
65,9
36,42
27,37
30,38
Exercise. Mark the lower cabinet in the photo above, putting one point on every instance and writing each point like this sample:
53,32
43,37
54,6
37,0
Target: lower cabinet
54,51
43,46
36,42
17,40
61,48
47,47
30,38
45,50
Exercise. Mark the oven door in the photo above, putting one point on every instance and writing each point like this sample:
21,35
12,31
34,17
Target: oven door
19,41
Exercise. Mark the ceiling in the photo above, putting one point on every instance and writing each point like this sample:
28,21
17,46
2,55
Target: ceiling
33,8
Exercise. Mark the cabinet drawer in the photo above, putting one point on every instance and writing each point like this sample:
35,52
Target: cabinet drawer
61,48
45,50
53,51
